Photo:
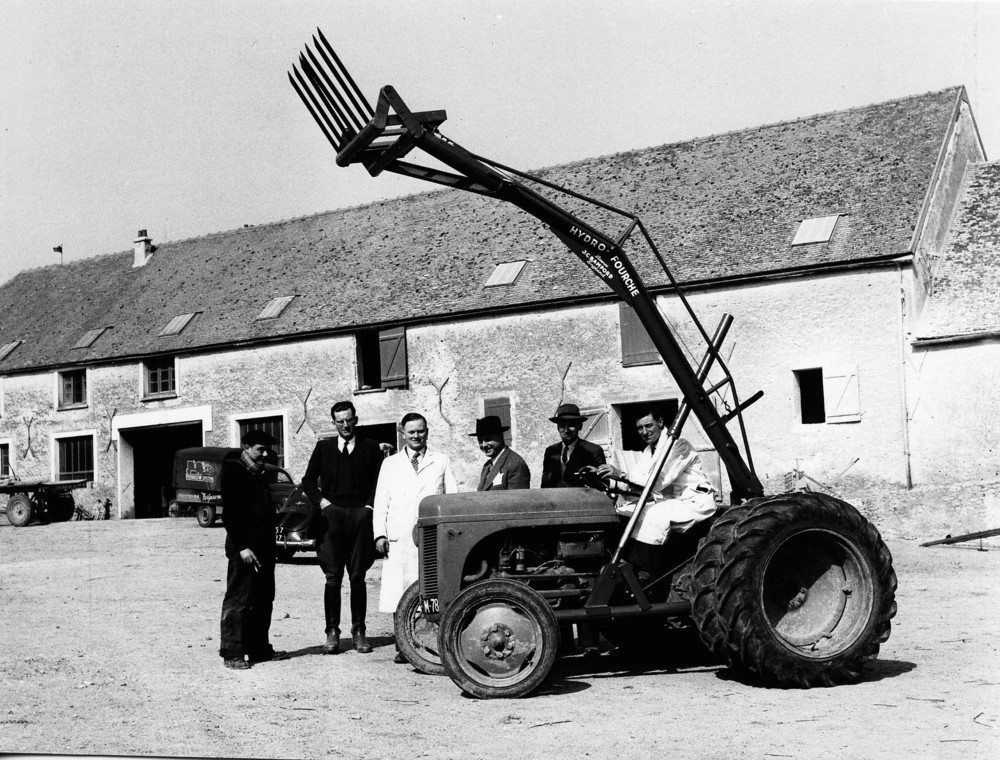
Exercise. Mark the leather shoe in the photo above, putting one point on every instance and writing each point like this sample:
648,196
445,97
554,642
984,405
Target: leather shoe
400,659
332,645
361,643
236,663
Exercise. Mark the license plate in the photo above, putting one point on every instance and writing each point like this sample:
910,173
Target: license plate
279,533
430,606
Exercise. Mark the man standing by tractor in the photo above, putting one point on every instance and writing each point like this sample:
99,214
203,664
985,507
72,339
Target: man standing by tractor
340,480
682,495
249,521
505,470
562,460
405,479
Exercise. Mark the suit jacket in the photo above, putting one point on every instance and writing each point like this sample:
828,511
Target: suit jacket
509,472
584,453
320,479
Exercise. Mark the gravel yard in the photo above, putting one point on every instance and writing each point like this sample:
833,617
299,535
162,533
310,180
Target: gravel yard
110,629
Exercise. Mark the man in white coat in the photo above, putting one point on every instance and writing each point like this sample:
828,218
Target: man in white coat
405,479
682,496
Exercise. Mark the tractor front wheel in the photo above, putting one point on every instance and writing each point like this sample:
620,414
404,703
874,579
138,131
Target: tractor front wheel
416,636
794,590
498,638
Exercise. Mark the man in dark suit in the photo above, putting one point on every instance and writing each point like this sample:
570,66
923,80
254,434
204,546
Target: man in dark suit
340,480
505,470
249,520
565,458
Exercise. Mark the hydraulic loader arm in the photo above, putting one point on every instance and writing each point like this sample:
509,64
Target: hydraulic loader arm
379,138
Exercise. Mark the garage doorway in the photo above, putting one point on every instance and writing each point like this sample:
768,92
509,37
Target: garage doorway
153,450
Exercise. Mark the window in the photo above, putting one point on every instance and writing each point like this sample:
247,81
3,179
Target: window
828,395
275,307
76,458
505,274
177,324
637,346
5,471
382,358
500,407
72,388
817,230
160,378
273,426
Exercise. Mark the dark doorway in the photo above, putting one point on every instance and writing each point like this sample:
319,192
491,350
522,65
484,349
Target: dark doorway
153,452
630,414
384,433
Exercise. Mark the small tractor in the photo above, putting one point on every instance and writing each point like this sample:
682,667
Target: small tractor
794,590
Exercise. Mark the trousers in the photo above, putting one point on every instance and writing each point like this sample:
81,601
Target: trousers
246,609
348,544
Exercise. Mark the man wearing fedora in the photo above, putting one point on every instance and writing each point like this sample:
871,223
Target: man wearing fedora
562,460
504,470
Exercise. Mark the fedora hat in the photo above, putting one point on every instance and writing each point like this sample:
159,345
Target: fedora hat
568,413
488,425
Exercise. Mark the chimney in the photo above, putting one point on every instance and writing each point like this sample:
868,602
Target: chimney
143,249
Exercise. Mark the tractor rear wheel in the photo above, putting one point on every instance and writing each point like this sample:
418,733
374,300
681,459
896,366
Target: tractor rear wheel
498,638
416,636
794,590
20,510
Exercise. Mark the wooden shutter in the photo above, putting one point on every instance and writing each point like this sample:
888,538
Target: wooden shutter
500,407
840,393
637,346
392,357
597,428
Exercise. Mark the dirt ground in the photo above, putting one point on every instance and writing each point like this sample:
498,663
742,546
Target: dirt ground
109,646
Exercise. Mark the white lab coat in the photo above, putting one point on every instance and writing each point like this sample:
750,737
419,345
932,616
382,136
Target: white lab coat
397,498
682,495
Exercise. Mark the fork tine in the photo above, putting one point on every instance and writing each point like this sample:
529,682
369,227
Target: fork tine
346,113
367,111
320,90
319,120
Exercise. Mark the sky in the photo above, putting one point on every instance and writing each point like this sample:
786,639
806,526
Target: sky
177,117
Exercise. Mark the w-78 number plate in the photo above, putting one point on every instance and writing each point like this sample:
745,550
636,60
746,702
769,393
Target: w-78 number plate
430,606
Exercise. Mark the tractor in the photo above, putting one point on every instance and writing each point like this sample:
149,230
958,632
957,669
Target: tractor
793,590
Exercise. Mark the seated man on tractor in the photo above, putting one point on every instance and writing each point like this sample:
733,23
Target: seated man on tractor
682,496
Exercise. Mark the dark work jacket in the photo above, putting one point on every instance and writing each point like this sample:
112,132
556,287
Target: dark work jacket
321,475
248,511
584,453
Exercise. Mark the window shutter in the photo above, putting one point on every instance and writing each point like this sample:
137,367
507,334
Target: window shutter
637,346
501,408
840,391
392,357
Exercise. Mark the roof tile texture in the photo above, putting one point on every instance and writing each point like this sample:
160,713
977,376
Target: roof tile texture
720,207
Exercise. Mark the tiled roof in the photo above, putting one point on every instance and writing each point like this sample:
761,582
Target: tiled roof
965,300
720,207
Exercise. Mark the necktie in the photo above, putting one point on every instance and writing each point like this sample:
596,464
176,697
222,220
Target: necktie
347,451
485,477
565,457
415,460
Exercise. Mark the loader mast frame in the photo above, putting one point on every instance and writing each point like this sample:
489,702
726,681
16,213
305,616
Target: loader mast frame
379,138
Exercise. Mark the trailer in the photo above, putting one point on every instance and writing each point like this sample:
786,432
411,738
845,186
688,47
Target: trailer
42,500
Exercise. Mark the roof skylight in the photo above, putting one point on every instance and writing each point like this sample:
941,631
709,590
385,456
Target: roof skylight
274,309
816,230
177,324
89,337
505,274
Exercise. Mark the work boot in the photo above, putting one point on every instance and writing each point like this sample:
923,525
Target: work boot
361,644
236,663
332,645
